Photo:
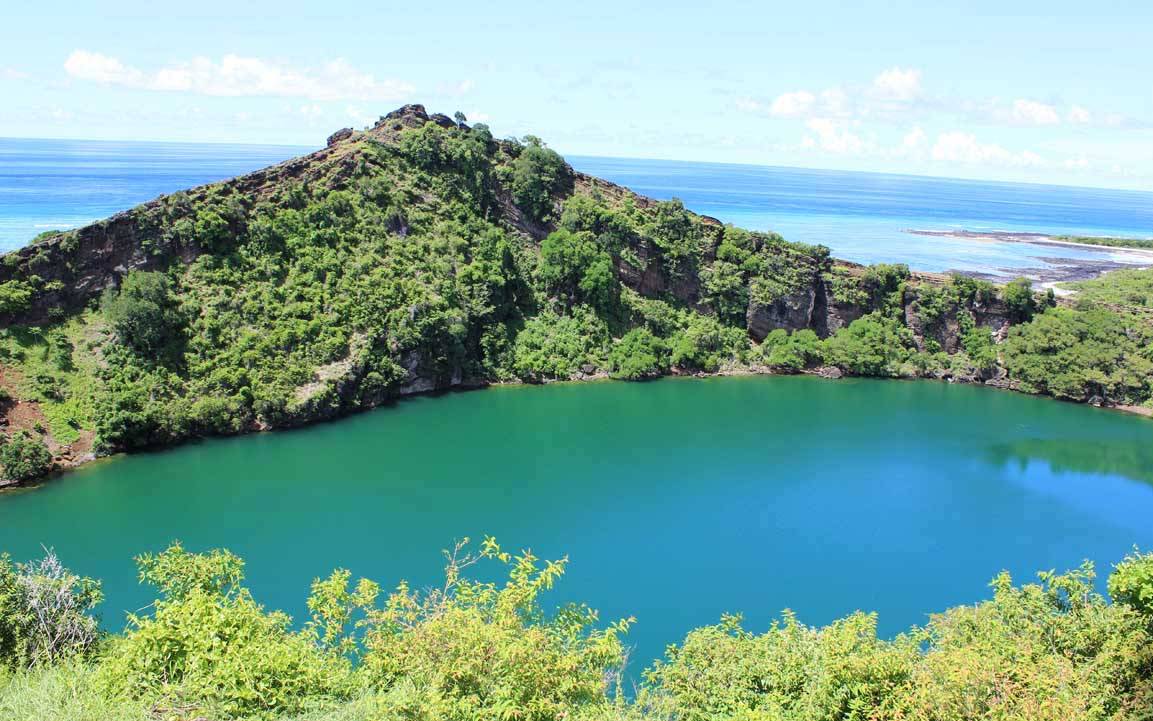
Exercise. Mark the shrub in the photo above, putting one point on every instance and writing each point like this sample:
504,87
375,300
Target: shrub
638,355
476,651
574,267
842,671
45,612
1131,583
24,458
144,312
15,296
208,645
556,346
791,352
705,344
872,345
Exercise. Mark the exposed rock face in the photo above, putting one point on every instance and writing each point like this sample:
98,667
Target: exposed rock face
790,312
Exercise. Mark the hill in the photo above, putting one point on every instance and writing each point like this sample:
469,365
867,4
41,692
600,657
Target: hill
423,254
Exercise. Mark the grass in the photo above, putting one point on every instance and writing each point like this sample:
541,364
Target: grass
61,693
63,388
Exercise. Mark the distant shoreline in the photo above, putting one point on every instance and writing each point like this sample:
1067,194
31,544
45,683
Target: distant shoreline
1062,269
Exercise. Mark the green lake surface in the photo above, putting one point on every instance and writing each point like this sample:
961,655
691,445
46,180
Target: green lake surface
676,500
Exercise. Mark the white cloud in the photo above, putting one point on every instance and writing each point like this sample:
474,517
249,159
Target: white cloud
1079,116
84,65
235,75
13,74
1031,112
1078,163
898,83
914,140
961,147
791,105
833,136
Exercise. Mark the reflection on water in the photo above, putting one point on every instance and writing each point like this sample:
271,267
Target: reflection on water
1104,457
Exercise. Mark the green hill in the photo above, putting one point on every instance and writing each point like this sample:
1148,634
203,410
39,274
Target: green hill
422,254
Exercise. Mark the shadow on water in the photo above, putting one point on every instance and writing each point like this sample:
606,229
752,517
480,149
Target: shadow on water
1115,458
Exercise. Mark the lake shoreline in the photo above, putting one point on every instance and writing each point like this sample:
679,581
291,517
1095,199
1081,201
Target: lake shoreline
826,373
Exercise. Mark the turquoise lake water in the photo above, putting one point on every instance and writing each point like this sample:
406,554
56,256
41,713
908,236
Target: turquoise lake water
676,500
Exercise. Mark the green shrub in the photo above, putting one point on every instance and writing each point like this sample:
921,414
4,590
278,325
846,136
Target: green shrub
473,651
842,671
15,296
24,458
638,355
557,346
791,352
872,345
705,344
1131,583
574,267
207,645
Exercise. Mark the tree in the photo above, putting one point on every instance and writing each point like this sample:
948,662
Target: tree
538,173
638,355
574,266
1018,297
24,458
144,312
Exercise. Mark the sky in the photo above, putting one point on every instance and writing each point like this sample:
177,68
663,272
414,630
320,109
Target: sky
1051,91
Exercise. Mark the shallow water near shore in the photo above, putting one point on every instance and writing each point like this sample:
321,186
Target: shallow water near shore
676,500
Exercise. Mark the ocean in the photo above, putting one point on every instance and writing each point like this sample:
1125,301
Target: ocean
862,217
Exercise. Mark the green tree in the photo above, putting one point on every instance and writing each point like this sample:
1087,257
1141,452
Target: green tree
1019,299
638,355
538,174
144,312
575,267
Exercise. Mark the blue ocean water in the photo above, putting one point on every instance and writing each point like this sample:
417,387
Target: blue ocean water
61,184
863,217
57,184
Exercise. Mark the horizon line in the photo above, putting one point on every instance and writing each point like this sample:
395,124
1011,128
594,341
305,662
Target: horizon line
905,174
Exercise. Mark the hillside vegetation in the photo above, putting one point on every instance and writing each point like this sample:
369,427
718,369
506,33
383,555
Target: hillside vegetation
474,651
423,254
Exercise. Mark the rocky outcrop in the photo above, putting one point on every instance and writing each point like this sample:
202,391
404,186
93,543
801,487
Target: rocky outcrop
789,312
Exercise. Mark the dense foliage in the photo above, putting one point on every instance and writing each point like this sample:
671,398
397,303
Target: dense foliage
438,256
474,649
23,457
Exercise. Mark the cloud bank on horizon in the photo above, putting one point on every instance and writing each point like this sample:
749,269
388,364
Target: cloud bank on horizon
1032,98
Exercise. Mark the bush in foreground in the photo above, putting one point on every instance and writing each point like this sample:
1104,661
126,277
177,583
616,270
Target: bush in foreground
1055,649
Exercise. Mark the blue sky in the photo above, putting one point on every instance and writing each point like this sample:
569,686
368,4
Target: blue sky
1054,91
